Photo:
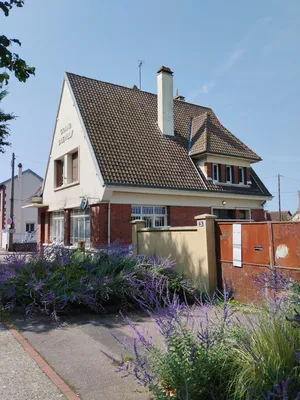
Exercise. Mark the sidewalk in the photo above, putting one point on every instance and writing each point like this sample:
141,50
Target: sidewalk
20,377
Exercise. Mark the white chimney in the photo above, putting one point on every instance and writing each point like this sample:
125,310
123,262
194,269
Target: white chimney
165,117
20,170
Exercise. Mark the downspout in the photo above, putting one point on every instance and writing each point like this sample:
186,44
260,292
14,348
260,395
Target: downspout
108,224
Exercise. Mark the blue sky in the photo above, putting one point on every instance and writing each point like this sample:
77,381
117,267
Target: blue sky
240,58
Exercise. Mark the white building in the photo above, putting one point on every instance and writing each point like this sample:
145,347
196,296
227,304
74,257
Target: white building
26,183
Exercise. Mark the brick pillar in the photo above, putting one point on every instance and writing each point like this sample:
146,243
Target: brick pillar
235,174
67,227
47,228
120,218
99,225
222,173
237,214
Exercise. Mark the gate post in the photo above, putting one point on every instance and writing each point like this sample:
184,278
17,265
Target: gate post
136,226
207,240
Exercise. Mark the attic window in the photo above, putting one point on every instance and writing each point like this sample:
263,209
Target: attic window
228,174
215,169
241,175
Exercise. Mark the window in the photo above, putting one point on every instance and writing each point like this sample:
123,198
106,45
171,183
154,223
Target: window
215,171
228,174
75,167
57,227
241,175
59,173
223,213
155,216
80,226
29,227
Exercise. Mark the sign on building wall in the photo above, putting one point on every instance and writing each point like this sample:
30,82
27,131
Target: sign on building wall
237,244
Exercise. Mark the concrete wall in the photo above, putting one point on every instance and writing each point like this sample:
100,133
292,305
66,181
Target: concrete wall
191,248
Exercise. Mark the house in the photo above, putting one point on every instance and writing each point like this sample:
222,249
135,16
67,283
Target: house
275,215
25,183
296,216
119,154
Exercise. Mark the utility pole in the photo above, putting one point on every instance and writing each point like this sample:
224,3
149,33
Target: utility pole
12,195
279,197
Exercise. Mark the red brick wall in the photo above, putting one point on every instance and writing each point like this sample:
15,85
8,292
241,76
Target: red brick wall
120,227
222,173
235,174
184,216
208,169
42,226
248,176
258,215
67,227
99,225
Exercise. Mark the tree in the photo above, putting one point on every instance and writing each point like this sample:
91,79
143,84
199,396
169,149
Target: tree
8,60
4,126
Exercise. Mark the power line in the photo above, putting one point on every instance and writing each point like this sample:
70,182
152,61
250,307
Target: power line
29,159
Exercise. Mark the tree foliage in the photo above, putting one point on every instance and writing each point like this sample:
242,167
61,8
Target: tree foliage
4,126
10,61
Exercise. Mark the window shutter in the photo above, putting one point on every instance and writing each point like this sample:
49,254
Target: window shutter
235,174
75,167
59,173
222,173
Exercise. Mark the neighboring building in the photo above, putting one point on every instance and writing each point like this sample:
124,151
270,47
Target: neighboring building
123,154
296,215
25,183
275,216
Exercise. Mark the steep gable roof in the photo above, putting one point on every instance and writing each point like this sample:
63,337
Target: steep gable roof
128,145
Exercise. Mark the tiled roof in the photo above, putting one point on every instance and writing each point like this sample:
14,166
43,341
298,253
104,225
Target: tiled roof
274,215
130,148
210,136
27,171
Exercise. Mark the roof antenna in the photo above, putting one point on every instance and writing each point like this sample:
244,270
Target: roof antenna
141,63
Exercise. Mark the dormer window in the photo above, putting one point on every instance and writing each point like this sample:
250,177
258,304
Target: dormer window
215,171
228,174
241,175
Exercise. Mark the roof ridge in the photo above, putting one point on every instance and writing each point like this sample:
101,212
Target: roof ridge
139,90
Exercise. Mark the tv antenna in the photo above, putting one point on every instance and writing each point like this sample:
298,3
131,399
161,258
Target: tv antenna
141,63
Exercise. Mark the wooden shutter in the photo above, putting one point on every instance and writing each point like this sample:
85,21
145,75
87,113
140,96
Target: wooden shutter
59,173
75,167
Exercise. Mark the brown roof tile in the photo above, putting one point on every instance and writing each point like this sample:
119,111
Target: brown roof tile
129,147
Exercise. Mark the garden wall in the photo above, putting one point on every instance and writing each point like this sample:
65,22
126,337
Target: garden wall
192,248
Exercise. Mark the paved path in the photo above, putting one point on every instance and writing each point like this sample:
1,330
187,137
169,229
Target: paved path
78,353
20,376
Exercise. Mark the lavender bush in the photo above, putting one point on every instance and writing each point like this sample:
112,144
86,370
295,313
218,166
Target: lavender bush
59,278
212,351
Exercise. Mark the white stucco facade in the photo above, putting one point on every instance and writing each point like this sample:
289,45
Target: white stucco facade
69,135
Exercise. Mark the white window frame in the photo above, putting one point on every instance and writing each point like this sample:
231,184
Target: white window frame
243,175
57,227
213,174
79,216
230,169
149,214
29,223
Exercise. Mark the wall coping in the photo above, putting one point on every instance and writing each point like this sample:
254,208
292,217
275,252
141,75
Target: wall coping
169,228
205,216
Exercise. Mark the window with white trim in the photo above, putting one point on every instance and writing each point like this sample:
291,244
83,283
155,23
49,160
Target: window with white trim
228,174
29,227
215,172
154,216
80,227
241,175
57,227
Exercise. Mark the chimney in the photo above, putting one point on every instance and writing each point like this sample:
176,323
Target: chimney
179,97
298,209
20,170
165,117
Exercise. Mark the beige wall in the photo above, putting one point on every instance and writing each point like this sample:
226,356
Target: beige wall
191,248
207,200
89,182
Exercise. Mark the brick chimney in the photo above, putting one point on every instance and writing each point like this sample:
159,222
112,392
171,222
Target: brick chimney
165,116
